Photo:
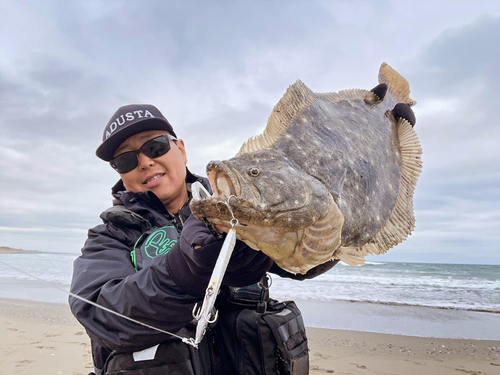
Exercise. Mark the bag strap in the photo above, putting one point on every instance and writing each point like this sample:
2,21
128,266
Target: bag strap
265,283
254,297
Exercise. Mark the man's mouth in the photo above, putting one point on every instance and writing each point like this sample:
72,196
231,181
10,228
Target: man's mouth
152,179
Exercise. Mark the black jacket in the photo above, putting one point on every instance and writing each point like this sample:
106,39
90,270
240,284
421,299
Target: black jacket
163,293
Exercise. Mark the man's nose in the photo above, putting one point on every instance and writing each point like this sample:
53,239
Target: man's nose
144,162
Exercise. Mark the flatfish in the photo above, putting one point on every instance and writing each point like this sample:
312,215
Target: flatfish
332,176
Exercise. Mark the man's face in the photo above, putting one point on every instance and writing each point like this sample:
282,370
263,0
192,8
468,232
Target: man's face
165,176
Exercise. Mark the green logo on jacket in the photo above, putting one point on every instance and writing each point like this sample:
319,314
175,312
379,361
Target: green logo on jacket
158,243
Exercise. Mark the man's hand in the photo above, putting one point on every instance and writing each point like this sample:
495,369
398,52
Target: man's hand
196,253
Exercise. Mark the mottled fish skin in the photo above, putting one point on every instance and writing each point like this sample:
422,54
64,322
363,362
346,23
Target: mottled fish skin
332,176
352,149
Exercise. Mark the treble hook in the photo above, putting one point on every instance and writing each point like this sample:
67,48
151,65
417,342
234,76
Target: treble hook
205,314
227,203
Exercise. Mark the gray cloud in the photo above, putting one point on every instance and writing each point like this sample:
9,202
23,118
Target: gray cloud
216,70
457,200
463,57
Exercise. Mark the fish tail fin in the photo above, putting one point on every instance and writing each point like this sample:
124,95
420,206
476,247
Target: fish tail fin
397,85
350,256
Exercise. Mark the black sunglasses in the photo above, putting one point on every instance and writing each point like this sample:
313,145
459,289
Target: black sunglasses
153,148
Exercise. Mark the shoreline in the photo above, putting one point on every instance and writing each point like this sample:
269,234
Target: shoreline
406,320
10,250
44,338
418,306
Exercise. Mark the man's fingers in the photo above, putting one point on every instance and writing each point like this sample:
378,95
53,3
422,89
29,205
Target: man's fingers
221,228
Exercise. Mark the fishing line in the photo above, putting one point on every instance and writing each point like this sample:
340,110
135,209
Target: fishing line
187,340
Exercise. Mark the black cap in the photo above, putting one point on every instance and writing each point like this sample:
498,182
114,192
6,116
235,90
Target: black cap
127,121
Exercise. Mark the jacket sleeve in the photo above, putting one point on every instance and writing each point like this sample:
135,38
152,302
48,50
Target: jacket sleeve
161,295
104,274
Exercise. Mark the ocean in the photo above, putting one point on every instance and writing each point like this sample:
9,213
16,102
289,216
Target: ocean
450,286
371,297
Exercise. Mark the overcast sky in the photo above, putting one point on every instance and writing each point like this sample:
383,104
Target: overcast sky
216,69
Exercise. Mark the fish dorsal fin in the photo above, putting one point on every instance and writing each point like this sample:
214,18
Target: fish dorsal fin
397,86
401,222
297,97
349,94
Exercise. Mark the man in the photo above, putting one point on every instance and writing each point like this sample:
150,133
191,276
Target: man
151,260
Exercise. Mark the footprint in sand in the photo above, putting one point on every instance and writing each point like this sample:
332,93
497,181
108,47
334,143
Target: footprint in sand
470,372
317,368
358,366
23,362
49,335
11,329
45,347
79,333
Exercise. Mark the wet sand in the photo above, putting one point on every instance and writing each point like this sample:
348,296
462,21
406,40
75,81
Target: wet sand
44,338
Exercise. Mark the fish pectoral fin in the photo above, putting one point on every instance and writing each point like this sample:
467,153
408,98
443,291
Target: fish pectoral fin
320,240
404,111
350,256
380,90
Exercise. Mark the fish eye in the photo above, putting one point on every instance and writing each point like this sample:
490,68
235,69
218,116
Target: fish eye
254,172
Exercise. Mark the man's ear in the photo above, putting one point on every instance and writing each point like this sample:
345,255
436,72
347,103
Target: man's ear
182,149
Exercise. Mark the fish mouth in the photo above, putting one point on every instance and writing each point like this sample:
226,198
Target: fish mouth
229,187
221,179
245,202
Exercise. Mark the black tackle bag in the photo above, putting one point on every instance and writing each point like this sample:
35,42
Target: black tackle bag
268,338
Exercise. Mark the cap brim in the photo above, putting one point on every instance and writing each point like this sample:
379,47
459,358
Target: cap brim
107,149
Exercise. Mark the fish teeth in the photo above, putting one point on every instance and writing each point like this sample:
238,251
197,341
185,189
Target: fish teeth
223,187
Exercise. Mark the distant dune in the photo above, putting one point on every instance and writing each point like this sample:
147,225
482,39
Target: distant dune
10,250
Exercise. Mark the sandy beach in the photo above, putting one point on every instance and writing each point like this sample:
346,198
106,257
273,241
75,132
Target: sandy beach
43,338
